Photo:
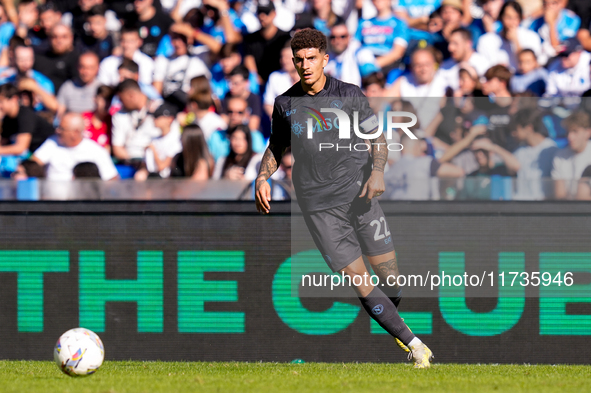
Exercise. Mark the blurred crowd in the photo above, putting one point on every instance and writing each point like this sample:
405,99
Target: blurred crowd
144,89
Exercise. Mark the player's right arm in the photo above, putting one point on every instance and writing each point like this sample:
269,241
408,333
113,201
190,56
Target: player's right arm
278,143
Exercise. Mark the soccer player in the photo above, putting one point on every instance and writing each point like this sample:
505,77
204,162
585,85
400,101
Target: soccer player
335,188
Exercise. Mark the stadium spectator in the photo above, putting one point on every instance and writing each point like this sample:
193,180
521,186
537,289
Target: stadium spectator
172,76
242,162
263,46
21,73
6,27
97,39
152,23
569,74
452,13
26,28
347,60
280,81
238,114
530,76
229,58
534,157
162,149
49,17
60,62
497,109
23,130
461,50
78,16
384,35
557,25
423,83
319,15
238,81
133,126
459,153
469,82
28,169
416,12
412,176
194,161
129,69
200,103
77,95
504,46
61,153
130,48
98,122
570,162
86,170
211,26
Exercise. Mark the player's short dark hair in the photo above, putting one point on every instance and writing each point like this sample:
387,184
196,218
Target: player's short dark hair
308,38
240,70
128,84
129,65
578,118
500,72
97,10
87,170
8,90
465,33
373,78
528,117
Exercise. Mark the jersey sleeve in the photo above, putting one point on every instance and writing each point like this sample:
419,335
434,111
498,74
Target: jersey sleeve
401,34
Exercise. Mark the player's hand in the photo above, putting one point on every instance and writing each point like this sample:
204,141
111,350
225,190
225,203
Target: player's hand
374,187
262,196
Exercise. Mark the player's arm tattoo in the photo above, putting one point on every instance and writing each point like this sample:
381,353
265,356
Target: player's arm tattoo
269,163
380,153
388,268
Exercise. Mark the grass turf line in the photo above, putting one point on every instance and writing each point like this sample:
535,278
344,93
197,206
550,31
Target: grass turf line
155,377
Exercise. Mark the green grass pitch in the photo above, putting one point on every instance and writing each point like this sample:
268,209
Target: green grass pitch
154,377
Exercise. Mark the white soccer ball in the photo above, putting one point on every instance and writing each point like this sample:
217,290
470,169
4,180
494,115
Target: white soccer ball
79,352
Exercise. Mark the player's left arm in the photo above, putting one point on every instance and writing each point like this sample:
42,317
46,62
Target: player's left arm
375,185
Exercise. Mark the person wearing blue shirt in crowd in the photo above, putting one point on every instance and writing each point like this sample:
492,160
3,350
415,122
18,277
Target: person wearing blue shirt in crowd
416,13
22,74
556,26
385,35
229,58
530,76
6,29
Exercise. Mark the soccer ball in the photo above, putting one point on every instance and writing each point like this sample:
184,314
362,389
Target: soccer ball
79,352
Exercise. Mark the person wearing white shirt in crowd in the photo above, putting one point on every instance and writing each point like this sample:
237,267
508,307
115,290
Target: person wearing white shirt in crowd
62,152
172,76
569,74
200,102
424,87
347,60
570,162
133,125
162,149
130,46
461,50
503,47
280,81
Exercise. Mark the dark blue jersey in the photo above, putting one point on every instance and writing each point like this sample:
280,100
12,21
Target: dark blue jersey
329,171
